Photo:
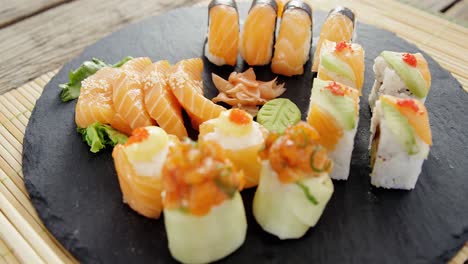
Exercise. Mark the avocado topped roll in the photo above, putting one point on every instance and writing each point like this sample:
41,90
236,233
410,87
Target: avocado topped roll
400,142
334,113
294,185
241,139
203,210
403,75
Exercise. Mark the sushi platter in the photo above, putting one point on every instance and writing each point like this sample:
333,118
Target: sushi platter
241,132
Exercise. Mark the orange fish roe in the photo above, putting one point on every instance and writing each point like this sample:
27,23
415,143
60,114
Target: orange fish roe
138,135
408,103
198,176
410,59
296,154
239,117
342,45
336,89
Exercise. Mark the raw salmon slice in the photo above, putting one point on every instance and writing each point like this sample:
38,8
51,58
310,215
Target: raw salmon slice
326,125
141,193
161,104
95,101
337,27
128,94
223,35
186,84
256,46
293,43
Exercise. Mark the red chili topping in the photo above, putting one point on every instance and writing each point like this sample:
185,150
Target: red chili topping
341,46
408,103
138,135
410,59
239,117
335,89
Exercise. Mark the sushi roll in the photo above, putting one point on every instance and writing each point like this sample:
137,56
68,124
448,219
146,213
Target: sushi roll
138,164
203,211
334,113
400,142
342,62
223,32
294,185
292,46
402,75
258,35
240,137
339,26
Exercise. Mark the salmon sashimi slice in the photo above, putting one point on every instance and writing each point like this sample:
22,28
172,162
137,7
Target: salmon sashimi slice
337,27
186,84
119,123
415,112
161,104
328,128
293,43
256,46
223,35
349,67
128,94
95,101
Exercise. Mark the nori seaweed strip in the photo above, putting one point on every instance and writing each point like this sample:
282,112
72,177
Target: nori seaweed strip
299,5
271,3
231,3
344,11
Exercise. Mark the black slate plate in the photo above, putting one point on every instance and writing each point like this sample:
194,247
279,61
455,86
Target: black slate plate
77,195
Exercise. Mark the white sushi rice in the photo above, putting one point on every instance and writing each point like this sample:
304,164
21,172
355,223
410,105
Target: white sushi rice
341,79
214,59
388,82
341,155
152,168
253,138
393,167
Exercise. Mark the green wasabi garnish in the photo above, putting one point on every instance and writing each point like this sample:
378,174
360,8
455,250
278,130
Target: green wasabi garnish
307,193
98,136
278,114
71,90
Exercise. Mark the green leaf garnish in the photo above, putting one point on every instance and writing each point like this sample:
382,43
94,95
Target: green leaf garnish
278,114
71,90
307,193
98,136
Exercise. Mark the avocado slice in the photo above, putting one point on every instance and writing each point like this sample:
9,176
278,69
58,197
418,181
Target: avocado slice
400,127
334,64
410,75
341,107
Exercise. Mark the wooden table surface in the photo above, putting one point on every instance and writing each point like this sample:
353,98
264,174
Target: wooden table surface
38,37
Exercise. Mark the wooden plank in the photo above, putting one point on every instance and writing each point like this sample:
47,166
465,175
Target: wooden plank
46,41
433,5
13,11
459,11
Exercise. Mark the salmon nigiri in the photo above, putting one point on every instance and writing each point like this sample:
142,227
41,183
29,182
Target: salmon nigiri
128,94
161,104
292,47
223,32
258,35
95,100
138,164
339,26
186,83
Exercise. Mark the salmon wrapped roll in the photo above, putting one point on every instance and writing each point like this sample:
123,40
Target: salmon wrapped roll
339,26
138,164
400,141
258,36
334,113
240,137
403,75
222,40
292,46
203,211
294,185
342,62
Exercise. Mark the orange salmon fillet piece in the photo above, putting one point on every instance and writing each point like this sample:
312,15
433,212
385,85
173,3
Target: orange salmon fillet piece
161,104
326,125
223,33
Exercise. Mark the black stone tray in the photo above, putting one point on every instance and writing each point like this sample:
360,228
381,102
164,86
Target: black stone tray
77,195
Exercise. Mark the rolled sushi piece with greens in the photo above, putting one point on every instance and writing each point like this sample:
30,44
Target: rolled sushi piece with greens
203,211
294,185
400,142
403,75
